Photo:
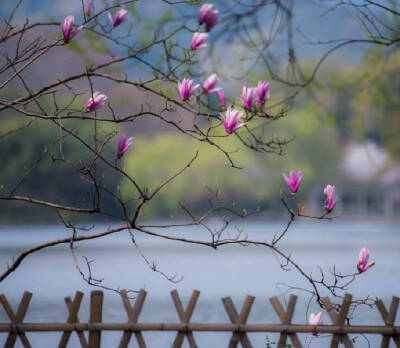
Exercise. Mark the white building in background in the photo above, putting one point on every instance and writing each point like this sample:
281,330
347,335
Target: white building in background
362,163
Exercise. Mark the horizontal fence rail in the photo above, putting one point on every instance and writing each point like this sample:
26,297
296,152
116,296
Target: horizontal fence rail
184,329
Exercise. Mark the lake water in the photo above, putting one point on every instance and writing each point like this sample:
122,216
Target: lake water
230,271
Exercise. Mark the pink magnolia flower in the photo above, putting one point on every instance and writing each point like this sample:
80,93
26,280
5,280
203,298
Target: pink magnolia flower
124,144
222,98
67,28
205,10
89,8
294,180
96,101
186,88
248,95
119,17
212,20
262,93
363,258
198,41
231,120
210,83
209,16
330,198
315,319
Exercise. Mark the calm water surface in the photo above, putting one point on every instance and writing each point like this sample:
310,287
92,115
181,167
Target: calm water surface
231,271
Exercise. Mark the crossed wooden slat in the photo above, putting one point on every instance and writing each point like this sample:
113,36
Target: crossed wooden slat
239,319
17,319
184,316
73,309
133,315
338,319
286,319
389,318
133,312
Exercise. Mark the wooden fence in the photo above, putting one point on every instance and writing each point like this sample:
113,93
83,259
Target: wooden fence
238,326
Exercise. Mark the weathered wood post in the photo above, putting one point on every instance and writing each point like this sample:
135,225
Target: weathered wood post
184,316
73,309
389,318
286,319
237,318
96,314
133,315
339,318
17,318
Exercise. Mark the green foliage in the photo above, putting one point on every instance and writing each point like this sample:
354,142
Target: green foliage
34,153
153,160
76,47
96,44
166,16
132,9
146,33
366,103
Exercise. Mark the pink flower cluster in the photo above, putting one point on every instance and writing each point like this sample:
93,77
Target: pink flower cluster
231,120
124,144
119,18
315,320
89,8
199,41
363,258
293,181
67,26
330,198
258,95
95,102
187,88
208,16
209,86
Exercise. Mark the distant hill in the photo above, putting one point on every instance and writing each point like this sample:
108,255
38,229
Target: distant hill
313,21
